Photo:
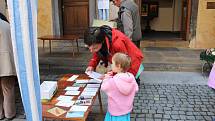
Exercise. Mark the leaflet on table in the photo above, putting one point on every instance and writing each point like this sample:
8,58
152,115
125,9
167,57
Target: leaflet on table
83,97
56,111
72,92
75,114
65,98
78,85
98,81
72,88
83,102
65,103
94,75
89,89
84,93
78,108
82,81
73,77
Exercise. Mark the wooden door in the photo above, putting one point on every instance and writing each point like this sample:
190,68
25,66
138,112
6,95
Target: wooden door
75,16
185,19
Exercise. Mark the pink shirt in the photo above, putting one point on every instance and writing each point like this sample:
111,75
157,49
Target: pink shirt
120,90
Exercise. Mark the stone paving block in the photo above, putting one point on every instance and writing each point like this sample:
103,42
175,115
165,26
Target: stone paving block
208,118
158,116
147,119
139,119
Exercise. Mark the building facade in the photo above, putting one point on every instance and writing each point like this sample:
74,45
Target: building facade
200,26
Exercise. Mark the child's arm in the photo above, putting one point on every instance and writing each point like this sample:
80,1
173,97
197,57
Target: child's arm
106,85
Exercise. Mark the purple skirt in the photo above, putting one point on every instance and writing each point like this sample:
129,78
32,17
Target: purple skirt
211,80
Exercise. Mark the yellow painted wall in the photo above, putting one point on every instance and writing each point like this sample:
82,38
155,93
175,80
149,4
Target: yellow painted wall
205,31
2,7
44,19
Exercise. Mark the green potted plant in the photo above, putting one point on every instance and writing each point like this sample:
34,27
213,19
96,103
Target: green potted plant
208,56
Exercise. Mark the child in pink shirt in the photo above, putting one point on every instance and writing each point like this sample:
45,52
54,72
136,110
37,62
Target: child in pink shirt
120,89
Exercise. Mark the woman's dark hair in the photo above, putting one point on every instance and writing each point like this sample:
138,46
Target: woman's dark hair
96,35
4,18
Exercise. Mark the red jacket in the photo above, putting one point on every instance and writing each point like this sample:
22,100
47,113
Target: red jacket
121,43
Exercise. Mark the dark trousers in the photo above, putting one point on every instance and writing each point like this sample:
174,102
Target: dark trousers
137,43
138,81
7,97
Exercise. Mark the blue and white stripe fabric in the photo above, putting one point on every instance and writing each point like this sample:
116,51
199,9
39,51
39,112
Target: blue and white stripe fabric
23,21
103,9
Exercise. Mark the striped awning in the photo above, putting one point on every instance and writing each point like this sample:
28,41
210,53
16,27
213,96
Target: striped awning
23,21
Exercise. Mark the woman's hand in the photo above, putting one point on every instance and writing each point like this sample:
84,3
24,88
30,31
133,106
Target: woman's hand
89,69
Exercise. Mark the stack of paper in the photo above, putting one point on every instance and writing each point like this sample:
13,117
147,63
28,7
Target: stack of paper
47,89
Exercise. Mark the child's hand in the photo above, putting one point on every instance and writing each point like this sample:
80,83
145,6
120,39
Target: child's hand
109,75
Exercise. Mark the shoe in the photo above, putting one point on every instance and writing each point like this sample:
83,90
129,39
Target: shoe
10,119
2,118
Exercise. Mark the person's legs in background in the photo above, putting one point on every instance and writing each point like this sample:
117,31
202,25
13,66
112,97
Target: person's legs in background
8,90
1,102
137,43
138,81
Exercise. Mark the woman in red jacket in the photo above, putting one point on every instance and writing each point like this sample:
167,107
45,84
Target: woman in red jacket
105,41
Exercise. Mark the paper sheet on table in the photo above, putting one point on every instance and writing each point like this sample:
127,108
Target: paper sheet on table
82,81
56,111
94,75
97,81
65,98
78,85
78,108
87,93
89,89
65,103
72,92
73,78
72,88
93,86
75,114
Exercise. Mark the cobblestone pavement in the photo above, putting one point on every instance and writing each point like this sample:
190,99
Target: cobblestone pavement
170,102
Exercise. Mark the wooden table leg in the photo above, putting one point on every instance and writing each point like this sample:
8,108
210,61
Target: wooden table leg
73,53
50,46
43,44
77,45
100,102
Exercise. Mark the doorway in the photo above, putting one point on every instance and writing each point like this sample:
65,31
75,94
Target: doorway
75,16
171,21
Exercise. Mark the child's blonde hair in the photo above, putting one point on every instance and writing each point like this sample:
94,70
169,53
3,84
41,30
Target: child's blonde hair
123,60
